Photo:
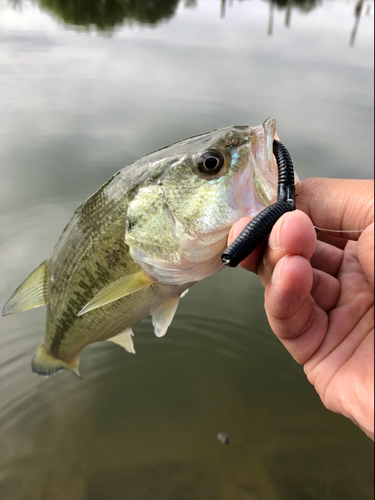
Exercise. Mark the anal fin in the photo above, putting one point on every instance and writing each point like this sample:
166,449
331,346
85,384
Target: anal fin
32,293
124,339
163,315
118,289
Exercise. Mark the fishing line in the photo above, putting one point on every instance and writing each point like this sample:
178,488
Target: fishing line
338,230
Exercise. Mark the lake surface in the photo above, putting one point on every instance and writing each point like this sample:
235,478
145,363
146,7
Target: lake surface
85,89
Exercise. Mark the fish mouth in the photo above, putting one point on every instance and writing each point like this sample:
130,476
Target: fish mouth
255,184
263,161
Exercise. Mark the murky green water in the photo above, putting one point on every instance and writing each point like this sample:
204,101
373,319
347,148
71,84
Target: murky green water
88,87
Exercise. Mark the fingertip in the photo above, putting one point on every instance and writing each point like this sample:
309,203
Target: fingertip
294,234
237,229
250,263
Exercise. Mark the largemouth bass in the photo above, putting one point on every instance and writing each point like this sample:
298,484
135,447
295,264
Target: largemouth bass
138,243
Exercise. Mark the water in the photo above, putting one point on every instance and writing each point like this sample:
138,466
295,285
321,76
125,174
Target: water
88,87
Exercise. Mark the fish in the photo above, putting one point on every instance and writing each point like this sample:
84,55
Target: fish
137,245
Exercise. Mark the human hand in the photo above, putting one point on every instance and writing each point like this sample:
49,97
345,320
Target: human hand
319,296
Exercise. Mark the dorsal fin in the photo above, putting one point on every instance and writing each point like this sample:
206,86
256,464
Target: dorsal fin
118,289
32,293
124,339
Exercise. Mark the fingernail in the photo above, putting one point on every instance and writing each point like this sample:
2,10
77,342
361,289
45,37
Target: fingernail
274,239
230,236
276,275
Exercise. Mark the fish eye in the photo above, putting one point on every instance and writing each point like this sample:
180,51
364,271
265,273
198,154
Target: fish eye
210,162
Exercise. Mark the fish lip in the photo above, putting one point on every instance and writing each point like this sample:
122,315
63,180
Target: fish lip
270,128
265,171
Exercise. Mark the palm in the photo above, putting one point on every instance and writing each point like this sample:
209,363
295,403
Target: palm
319,301
343,364
319,298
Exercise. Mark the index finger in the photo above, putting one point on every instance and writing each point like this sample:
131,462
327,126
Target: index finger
337,204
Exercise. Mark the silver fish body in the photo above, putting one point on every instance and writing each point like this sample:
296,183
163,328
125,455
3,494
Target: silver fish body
149,233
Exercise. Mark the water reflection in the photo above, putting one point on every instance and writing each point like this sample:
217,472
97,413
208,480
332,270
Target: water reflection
288,13
271,16
357,12
307,6
303,5
105,15
77,108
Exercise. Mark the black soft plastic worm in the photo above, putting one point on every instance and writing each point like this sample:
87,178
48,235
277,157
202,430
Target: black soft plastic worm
262,224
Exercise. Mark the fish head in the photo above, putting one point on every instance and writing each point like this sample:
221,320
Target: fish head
178,222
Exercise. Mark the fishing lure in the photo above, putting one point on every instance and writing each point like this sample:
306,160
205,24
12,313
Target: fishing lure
261,226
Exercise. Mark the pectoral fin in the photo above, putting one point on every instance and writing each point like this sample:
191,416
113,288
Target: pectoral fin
118,289
163,315
32,293
124,339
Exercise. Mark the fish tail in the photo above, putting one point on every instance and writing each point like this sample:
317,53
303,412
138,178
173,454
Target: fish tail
45,364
